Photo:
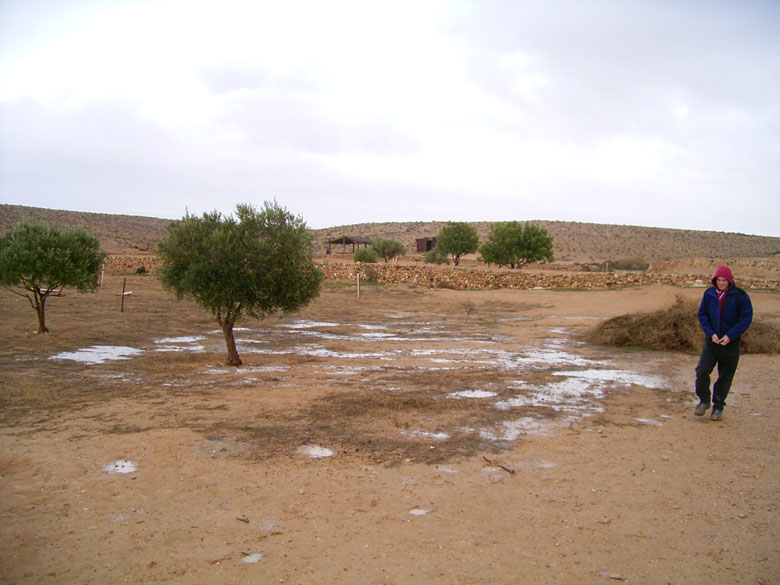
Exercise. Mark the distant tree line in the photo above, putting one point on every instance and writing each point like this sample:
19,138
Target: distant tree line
509,243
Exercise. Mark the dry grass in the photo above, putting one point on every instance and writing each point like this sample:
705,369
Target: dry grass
677,329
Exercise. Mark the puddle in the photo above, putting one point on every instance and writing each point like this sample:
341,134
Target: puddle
440,436
566,393
250,370
120,466
97,354
649,421
510,431
306,324
473,394
618,376
419,512
315,451
177,340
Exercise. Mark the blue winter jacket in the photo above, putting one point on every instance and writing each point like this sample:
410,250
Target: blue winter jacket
733,320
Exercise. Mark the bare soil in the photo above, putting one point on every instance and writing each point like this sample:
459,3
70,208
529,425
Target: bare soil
413,436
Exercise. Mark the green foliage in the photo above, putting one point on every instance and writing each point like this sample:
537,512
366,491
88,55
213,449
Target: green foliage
388,248
456,239
512,244
257,263
677,329
436,256
365,255
42,260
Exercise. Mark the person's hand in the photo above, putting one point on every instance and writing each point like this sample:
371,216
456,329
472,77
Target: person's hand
715,338
725,340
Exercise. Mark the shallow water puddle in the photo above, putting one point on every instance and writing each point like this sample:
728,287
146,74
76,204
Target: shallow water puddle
419,512
120,466
440,436
315,451
97,354
510,431
473,394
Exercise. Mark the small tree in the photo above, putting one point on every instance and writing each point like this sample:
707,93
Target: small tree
514,245
258,263
42,260
388,248
457,238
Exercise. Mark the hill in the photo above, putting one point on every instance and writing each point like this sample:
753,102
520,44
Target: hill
573,241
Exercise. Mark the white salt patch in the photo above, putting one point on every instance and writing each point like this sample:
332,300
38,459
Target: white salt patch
252,559
446,469
97,354
315,451
120,466
419,512
473,394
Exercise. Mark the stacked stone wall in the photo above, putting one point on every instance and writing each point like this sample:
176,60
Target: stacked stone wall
433,276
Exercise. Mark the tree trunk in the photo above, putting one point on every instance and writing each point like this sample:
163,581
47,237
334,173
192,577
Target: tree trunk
230,340
40,308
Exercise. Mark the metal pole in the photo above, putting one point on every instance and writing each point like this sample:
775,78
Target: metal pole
124,283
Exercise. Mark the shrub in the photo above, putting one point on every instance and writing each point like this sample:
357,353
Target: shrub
634,263
365,255
677,329
436,256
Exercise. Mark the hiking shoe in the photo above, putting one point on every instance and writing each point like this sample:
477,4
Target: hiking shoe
701,408
717,415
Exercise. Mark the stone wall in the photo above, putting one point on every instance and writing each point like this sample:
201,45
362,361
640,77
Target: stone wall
434,276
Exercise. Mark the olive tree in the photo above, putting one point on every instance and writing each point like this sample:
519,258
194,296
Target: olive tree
41,260
457,238
388,248
257,263
515,245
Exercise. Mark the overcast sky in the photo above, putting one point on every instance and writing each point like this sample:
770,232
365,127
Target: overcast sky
662,113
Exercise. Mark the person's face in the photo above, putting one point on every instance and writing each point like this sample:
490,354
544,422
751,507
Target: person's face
721,283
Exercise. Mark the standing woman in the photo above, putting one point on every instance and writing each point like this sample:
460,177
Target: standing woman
725,314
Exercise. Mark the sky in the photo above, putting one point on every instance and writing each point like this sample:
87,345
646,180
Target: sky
661,113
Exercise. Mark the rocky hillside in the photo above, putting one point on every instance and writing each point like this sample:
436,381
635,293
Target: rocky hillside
573,241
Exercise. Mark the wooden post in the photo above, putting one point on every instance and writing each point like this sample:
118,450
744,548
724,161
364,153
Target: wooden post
100,279
358,285
124,283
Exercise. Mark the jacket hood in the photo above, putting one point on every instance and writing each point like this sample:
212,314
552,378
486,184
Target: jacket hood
725,272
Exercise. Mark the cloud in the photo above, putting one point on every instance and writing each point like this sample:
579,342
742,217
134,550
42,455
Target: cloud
646,112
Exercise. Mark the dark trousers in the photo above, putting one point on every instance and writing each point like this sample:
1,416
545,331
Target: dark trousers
727,358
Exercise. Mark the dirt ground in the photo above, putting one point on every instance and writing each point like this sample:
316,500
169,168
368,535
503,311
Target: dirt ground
413,436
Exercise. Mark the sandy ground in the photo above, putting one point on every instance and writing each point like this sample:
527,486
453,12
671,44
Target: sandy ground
416,436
